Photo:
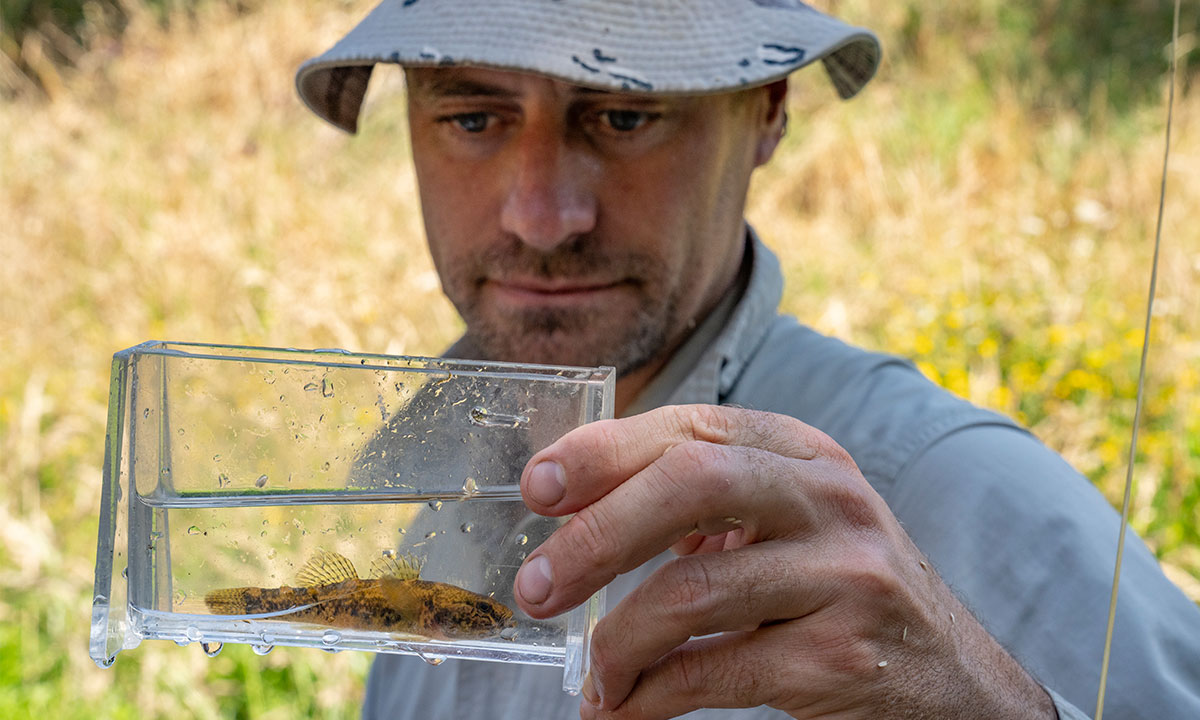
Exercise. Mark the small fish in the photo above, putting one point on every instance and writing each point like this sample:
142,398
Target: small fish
330,592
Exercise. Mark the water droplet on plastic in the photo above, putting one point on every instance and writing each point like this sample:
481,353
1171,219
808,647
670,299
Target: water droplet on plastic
435,505
431,534
182,642
193,530
217,457
326,387
267,638
125,572
470,489
193,633
180,431
211,649
522,539
261,481
325,467
331,638
222,480
508,633
262,649
310,387
146,413
107,662
270,379
466,527
435,661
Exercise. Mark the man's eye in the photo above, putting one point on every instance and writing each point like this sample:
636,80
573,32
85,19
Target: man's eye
473,122
625,120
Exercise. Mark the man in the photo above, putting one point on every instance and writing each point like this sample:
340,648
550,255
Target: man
583,167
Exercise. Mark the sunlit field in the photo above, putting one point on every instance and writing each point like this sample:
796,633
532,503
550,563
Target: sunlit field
169,185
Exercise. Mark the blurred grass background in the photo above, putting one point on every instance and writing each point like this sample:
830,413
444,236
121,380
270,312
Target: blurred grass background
986,208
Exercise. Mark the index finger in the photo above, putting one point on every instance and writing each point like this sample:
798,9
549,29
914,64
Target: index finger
588,462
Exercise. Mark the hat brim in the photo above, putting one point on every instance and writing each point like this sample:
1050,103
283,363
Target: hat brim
699,47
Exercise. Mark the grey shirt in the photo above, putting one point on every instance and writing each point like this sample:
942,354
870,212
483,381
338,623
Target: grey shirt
1025,541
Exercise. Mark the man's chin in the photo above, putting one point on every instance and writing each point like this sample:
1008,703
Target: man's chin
590,349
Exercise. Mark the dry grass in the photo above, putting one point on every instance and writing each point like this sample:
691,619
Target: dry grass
176,189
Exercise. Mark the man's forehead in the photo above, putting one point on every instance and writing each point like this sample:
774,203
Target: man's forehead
489,82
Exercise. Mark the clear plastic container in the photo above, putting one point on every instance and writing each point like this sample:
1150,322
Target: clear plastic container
332,500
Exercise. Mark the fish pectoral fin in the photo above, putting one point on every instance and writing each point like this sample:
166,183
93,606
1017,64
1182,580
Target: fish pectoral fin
326,568
402,567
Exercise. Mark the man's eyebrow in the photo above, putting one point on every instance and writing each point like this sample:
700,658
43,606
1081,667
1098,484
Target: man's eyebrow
462,87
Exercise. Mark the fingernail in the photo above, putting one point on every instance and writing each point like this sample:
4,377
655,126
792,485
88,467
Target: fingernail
533,580
547,483
589,691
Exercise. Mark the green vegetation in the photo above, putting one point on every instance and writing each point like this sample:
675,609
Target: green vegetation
985,208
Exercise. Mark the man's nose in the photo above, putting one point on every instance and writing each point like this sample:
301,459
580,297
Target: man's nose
549,200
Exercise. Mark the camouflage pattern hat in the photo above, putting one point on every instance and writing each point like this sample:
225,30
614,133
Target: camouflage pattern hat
651,46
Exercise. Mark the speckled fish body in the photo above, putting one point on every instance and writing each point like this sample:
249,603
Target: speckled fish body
331,593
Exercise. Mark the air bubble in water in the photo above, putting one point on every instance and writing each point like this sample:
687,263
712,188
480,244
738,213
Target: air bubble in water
483,417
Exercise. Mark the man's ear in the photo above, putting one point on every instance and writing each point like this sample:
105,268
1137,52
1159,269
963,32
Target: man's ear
774,121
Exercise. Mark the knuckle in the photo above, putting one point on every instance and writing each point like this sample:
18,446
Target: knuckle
686,465
709,423
692,673
689,595
870,572
594,534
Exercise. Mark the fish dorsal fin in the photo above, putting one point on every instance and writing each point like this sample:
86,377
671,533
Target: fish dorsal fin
326,568
401,567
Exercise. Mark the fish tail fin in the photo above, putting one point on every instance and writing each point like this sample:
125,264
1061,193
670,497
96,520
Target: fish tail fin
229,601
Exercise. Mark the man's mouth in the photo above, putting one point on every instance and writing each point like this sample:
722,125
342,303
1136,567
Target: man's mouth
551,292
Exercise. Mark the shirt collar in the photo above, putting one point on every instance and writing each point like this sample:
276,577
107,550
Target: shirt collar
705,368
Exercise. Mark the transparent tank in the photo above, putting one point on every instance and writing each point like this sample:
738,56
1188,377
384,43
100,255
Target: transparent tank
332,500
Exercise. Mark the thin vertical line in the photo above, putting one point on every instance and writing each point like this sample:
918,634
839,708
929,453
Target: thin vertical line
1141,385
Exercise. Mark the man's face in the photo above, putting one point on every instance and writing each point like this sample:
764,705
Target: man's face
571,226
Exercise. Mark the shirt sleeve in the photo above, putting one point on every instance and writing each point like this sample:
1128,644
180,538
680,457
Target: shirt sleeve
1029,545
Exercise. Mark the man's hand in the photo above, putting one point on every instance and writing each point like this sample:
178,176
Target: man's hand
809,595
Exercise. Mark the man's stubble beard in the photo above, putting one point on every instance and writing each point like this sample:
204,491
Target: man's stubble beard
554,337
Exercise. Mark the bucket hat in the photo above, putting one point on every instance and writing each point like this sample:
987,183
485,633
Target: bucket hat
650,46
